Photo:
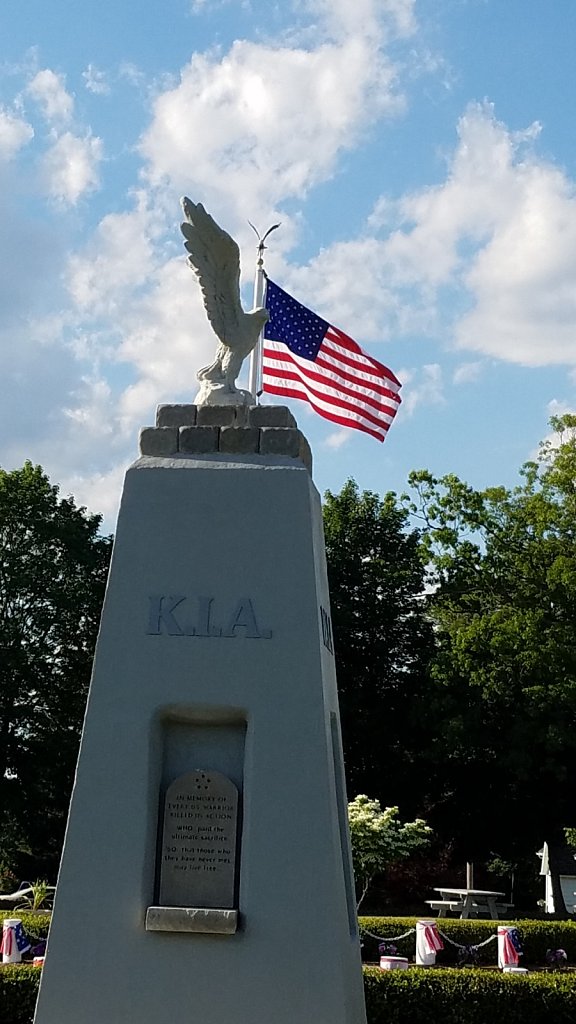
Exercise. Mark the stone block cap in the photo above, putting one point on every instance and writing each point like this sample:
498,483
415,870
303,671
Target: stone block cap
238,430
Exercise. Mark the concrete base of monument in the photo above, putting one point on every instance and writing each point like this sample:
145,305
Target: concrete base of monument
210,772
207,921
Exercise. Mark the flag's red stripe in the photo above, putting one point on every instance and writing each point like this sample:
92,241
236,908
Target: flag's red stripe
341,420
352,378
359,396
355,408
365,383
364,361
339,398
352,346
331,361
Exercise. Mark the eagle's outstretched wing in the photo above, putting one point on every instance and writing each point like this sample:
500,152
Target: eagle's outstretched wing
215,258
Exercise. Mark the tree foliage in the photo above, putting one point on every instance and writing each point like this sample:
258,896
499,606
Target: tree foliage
502,581
53,568
383,639
379,839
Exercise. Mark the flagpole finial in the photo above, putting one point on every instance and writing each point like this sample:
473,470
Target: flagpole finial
261,240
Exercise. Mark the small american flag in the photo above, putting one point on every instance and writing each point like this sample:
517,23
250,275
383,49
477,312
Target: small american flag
306,357
510,953
13,935
432,938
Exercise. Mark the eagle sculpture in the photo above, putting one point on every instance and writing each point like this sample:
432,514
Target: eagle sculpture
215,258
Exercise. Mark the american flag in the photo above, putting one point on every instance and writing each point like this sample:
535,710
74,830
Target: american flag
306,357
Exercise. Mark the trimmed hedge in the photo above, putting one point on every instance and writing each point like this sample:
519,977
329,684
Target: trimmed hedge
536,938
18,992
19,982
467,996
35,925
416,996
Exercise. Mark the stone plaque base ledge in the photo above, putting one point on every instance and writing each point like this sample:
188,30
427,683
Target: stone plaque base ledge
192,919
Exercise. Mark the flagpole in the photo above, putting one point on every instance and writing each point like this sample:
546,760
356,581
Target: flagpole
255,375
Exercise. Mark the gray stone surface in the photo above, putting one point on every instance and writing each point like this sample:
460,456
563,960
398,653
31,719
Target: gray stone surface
285,441
271,416
280,441
231,429
198,853
217,415
191,919
259,705
158,441
306,453
198,440
243,440
176,416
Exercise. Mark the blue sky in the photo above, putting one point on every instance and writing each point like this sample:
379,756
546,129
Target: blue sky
420,154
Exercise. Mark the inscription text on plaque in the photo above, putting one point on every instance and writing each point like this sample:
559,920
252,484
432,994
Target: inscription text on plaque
199,841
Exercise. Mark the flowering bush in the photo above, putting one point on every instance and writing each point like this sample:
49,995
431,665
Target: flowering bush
379,839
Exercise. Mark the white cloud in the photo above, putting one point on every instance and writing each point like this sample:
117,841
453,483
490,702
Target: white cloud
98,491
556,407
151,306
357,286
423,386
49,90
266,122
559,407
71,167
500,231
14,134
337,439
93,414
523,278
96,81
132,74
467,373
371,18
120,258
167,338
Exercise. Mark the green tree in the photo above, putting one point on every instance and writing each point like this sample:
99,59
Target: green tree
53,569
502,581
383,641
379,839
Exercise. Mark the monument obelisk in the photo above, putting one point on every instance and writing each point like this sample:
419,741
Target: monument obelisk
206,873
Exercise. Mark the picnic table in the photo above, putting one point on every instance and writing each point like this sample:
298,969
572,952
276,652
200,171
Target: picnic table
469,902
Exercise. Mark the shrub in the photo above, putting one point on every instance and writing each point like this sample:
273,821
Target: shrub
379,839
536,937
417,996
35,925
18,991
469,996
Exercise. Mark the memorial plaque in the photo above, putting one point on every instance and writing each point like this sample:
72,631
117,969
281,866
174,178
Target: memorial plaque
199,841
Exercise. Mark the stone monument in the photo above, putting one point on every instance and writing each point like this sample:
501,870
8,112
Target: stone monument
206,873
